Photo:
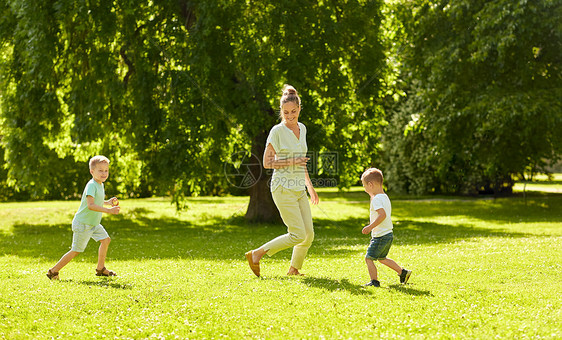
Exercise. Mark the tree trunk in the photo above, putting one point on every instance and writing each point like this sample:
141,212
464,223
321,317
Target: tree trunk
261,207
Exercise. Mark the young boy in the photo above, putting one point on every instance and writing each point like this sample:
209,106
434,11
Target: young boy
380,228
86,222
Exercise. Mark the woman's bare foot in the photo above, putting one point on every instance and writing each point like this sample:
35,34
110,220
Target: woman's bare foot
294,271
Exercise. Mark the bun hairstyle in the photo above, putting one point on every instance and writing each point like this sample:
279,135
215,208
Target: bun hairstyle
289,95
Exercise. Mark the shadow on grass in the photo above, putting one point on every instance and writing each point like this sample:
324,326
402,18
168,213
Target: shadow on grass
137,236
334,285
535,208
103,282
406,289
326,283
340,238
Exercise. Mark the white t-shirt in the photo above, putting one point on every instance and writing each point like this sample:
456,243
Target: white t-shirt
287,145
385,227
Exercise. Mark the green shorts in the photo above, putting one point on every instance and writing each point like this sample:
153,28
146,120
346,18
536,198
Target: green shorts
82,234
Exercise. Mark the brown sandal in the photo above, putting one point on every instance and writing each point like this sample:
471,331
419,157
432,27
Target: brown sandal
102,272
53,275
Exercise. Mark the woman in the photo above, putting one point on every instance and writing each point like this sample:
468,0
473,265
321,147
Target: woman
285,153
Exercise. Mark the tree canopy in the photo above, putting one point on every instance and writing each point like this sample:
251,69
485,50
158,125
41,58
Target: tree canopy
483,103
170,90
173,91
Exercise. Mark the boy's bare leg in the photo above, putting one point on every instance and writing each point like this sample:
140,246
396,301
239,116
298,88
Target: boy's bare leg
392,265
372,269
65,259
102,252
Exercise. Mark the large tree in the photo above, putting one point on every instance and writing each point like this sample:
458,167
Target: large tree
483,94
181,94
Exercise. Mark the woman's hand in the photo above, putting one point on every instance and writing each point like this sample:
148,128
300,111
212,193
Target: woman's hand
270,161
313,196
300,161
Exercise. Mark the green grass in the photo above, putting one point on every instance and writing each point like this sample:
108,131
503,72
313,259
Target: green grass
483,268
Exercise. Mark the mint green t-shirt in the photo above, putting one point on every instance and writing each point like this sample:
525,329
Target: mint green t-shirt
287,145
84,214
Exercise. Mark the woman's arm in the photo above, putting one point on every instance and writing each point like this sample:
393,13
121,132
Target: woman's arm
269,161
313,195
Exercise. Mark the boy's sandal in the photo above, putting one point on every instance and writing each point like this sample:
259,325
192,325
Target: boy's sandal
102,272
53,275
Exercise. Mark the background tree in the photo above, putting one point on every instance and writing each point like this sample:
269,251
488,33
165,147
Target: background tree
483,87
336,65
171,90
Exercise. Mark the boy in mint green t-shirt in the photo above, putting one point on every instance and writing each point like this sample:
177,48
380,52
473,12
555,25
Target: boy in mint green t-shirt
86,222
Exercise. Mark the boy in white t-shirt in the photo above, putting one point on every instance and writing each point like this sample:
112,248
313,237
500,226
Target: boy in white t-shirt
380,228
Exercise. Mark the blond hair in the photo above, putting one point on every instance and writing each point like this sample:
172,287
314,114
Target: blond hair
372,175
96,160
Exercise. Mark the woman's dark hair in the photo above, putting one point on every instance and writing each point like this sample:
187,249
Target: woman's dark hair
289,95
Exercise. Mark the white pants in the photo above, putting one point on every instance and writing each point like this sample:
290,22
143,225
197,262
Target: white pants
295,211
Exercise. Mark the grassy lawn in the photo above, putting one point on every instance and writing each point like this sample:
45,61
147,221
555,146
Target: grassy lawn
541,184
483,268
